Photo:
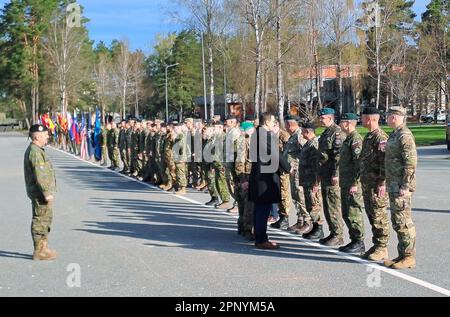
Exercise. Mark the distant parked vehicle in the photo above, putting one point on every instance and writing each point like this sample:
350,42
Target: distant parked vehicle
429,118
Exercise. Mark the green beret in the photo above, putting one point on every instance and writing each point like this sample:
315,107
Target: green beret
327,112
349,117
399,111
247,126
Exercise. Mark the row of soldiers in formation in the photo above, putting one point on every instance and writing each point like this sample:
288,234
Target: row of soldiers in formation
338,173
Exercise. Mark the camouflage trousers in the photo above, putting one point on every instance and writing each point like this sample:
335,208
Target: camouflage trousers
170,171
104,155
352,213
181,174
125,157
245,207
136,162
313,204
42,220
378,216
285,205
160,171
114,154
230,178
221,182
331,196
211,180
195,172
298,197
403,224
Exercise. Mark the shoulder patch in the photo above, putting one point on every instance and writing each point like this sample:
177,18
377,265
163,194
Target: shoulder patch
382,146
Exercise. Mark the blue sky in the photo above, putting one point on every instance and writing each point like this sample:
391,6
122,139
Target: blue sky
140,21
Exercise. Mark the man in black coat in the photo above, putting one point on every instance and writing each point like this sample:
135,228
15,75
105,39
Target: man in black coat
264,182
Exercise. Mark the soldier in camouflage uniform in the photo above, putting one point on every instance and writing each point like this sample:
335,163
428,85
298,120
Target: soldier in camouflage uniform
350,182
308,166
219,168
243,167
123,146
129,138
104,144
373,179
208,152
401,165
41,187
330,143
113,146
170,169
291,152
233,133
159,157
284,207
181,154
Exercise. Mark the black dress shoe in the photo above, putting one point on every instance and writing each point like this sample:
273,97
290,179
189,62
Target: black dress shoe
354,247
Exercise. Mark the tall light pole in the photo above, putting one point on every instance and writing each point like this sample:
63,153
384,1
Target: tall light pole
167,91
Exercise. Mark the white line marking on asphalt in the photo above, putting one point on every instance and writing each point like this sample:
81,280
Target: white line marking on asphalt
373,265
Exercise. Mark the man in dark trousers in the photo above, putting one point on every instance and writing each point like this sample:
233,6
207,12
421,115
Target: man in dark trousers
264,182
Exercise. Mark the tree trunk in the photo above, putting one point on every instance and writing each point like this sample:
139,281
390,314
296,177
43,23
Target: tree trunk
211,75
280,80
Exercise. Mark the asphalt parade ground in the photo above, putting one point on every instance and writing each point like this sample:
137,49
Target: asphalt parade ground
116,236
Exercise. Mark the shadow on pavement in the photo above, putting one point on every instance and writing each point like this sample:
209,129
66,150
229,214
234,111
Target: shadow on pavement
15,255
190,226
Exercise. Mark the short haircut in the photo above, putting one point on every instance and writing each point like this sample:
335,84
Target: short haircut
266,116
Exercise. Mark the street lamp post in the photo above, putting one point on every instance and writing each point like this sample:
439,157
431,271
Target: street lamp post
167,91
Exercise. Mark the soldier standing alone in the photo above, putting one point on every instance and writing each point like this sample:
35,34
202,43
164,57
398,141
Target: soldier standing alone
401,165
41,187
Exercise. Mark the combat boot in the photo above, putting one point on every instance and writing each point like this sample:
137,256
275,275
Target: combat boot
214,201
354,247
282,223
224,205
316,233
297,226
181,191
305,229
334,241
376,254
42,253
389,263
407,262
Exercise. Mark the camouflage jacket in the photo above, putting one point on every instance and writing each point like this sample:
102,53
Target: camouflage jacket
401,160
40,178
123,139
308,164
293,147
330,143
243,165
231,145
180,150
372,159
104,137
113,138
349,164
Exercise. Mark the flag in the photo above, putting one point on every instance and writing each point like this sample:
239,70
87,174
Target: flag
97,136
83,149
89,139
